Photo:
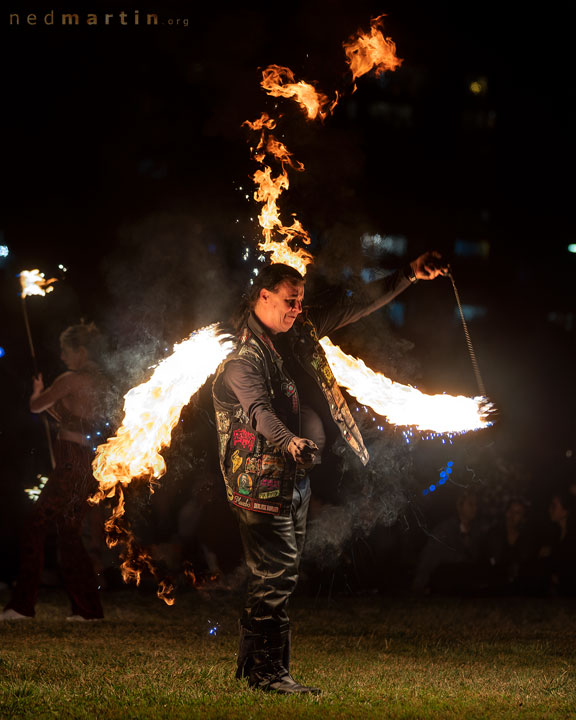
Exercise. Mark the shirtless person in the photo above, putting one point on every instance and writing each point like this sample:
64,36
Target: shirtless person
76,400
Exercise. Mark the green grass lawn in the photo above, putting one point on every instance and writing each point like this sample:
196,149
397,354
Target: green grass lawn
373,657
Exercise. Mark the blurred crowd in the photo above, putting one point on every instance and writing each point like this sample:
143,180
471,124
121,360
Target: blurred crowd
520,548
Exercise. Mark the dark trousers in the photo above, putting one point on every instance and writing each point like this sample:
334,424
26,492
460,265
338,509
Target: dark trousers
272,549
63,504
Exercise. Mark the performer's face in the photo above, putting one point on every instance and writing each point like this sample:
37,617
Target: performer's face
278,309
73,358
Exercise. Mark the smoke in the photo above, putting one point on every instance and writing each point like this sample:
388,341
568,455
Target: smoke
167,277
354,499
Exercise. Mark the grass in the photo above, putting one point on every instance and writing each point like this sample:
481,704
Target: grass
373,657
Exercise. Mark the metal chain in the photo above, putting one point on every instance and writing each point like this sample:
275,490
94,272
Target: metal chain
468,340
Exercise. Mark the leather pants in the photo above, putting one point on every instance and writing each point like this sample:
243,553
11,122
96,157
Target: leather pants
272,549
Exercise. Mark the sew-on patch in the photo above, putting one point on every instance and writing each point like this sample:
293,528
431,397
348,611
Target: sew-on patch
253,465
268,494
244,438
272,464
249,504
270,482
244,484
265,507
236,460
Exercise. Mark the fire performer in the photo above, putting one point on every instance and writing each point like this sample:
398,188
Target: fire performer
76,399
277,407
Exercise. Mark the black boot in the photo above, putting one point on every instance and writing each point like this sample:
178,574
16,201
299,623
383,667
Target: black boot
245,652
268,670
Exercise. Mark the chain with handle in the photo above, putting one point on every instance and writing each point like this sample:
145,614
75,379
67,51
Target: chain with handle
475,367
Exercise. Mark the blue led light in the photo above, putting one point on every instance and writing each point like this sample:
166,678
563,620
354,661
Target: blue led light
2,352
432,488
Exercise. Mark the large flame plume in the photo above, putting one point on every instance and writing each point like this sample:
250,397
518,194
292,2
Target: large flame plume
402,404
33,282
364,52
371,51
151,411
281,241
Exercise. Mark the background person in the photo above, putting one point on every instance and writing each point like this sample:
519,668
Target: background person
77,400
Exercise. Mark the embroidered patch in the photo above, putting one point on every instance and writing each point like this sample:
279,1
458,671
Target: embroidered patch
249,504
253,465
266,507
243,502
244,438
268,494
244,484
270,483
272,464
236,460
288,388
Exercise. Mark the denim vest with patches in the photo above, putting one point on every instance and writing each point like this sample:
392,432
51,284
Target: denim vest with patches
259,476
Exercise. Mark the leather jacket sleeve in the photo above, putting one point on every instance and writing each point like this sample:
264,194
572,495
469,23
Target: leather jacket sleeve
333,316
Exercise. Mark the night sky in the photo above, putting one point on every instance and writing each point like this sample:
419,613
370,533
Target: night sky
123,155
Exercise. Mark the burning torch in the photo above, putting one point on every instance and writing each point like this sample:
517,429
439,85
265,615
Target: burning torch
33,282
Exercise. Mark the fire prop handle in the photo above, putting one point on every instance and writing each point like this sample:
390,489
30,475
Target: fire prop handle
475,367
28,281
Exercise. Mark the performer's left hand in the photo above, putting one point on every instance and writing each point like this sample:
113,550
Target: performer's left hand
37,385
429,266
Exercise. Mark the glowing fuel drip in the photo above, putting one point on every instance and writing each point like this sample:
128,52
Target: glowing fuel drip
402,404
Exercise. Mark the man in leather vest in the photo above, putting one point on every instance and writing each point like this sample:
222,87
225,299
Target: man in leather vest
278,407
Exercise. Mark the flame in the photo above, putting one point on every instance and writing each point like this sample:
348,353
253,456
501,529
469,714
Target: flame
152,409
367,51
402,404
33,282
269,187
280,82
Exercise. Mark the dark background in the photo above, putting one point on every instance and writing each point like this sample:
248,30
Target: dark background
125,160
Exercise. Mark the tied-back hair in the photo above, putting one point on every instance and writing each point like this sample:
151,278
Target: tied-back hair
84,335
269,277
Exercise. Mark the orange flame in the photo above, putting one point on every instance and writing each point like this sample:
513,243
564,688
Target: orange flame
33,282
367,51
402,404
268,190
280,82
151,410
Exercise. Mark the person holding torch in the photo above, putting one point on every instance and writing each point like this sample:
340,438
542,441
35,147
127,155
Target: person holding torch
277,407
77,401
